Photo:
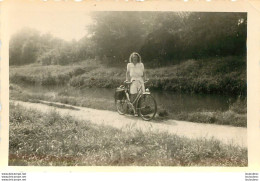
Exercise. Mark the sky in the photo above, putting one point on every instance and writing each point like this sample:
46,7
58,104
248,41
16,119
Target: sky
65,24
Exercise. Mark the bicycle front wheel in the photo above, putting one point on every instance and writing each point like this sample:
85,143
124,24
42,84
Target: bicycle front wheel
147,107
121,106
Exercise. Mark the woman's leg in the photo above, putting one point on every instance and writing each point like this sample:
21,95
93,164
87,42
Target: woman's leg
133,91
143,87
132,97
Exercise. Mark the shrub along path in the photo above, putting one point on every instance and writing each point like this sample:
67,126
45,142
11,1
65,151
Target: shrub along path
226,134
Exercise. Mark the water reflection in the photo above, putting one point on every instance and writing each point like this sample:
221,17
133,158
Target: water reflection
173,102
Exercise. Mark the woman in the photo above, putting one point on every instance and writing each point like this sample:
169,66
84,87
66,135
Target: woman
136,74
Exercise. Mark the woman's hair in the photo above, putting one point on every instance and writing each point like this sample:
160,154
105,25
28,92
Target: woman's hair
131,57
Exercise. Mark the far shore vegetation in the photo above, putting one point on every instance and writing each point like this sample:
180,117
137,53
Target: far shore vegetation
226,75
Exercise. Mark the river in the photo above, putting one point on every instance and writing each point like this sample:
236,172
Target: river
171,101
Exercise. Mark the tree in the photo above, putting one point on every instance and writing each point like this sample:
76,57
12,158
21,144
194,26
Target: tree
168,37
24,47
117,34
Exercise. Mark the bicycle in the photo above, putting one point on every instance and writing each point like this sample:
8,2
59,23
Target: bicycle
144,103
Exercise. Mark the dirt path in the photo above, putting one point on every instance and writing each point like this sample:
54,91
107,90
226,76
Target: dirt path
226,134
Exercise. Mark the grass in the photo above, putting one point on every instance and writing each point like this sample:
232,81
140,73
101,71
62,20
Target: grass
225,75
235,116
36,74
37,139
65,97
62,106
221,118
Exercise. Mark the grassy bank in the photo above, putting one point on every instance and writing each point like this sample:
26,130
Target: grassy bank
222,118
226,75
52,139
235,116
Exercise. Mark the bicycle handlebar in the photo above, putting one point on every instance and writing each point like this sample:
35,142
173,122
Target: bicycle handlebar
130,82
146,81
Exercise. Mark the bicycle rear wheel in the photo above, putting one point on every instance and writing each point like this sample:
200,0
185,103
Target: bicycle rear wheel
121,106
147,107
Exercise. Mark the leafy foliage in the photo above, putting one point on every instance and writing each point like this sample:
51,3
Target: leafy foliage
225,75
168,38
162,38
29,46
24,47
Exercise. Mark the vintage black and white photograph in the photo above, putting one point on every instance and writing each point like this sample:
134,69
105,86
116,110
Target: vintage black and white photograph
127,88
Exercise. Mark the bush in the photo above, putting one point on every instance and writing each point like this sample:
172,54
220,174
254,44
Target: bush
240,106
49,58
193,76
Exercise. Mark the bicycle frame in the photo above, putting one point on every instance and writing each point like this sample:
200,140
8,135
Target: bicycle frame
139,94
144,103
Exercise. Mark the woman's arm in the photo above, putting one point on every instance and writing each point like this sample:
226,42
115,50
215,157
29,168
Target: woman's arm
127,73
145,78
144,72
